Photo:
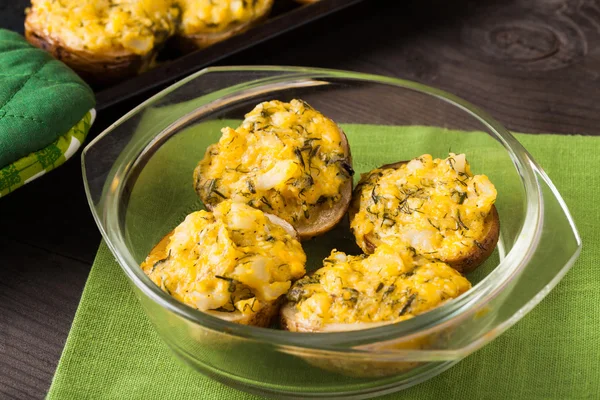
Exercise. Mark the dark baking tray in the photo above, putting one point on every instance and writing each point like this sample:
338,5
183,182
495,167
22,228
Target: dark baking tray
286,15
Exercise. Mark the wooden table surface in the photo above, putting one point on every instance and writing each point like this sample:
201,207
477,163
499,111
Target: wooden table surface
532,64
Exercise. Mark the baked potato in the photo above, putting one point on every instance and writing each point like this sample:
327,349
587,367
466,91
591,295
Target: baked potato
205,22
361,292
235,263
286,159
436,206
103,41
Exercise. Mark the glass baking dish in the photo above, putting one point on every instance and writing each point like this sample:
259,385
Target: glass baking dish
138,179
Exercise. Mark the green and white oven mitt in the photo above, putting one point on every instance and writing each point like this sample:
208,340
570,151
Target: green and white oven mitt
46,111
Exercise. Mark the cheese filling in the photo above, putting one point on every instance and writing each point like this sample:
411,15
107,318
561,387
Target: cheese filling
437,207
233,259
285,159
136,26
390,285
202,16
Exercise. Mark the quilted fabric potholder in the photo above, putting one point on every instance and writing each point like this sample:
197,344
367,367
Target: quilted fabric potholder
46,111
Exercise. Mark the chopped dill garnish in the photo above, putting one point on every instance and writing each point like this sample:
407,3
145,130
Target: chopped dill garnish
298,153
407,304
266,202
347,168
215,191
250,305
389,290
379,287
159,262
222,309
460,221
314,151
451,161
432,224
482,247
321,200
239,168
306,105
370,211
251,186
461,182
211,185
388,220
374,196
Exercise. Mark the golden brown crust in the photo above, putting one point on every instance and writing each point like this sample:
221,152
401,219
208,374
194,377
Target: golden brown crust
95,68
464,264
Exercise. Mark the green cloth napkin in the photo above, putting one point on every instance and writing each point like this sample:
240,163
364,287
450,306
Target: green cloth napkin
41,101
112,351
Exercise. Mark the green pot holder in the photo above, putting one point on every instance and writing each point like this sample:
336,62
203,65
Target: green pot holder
46,111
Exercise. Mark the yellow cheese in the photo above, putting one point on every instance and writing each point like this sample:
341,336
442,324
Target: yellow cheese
436,206
285,159
136,26
204,16
233,259
390,285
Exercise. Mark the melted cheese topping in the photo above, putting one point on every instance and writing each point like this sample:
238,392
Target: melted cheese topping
234,259
202,16
136,26
285,159
387,286
435,206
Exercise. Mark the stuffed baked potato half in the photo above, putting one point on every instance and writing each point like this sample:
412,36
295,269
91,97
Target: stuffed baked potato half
205,22
235,263
367,291
436,206
286,159
103,41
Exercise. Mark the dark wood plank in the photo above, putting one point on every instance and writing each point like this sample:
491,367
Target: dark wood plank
533,64
38,303
52,213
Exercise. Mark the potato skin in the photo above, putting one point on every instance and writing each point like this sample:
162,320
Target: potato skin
268,312
262,318
465,264
190,43
478,256
322,219
94,68
358,368
325,219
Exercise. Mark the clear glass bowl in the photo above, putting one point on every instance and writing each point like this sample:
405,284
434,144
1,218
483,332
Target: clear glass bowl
138,179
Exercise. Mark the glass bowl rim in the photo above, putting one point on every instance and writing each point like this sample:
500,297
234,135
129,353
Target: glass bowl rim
449,313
